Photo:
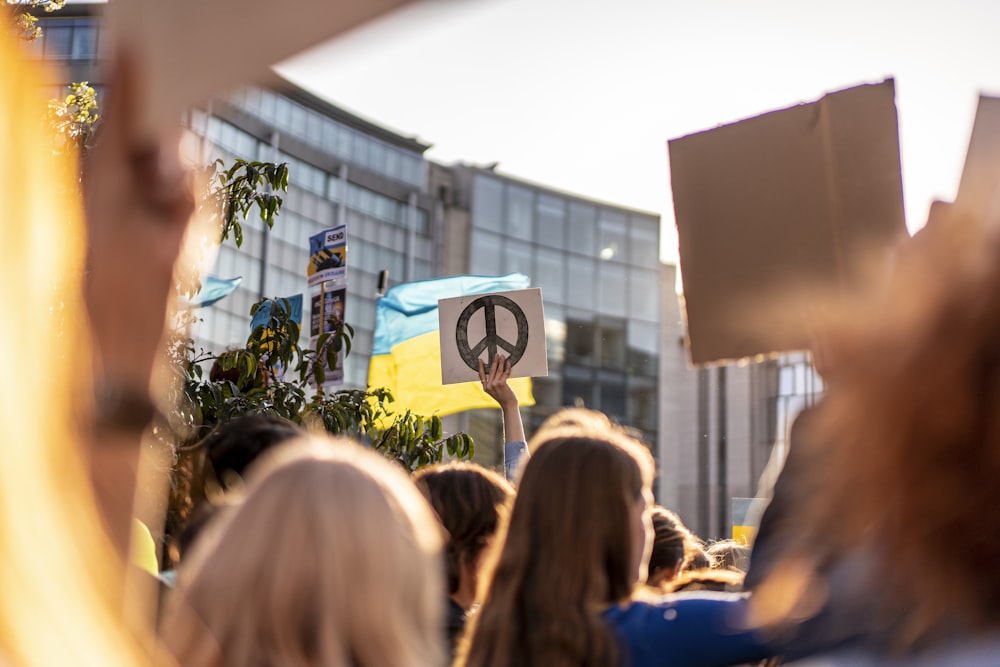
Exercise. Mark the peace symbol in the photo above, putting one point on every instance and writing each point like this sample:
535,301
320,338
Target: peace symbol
489,303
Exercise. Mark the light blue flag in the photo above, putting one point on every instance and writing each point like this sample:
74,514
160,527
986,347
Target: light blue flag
213,290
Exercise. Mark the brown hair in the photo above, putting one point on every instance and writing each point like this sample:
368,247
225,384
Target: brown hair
565,553
720,580
909,439
673,543
729,555
468,499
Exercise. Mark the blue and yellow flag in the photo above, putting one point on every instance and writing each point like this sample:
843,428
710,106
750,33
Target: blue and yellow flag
406,355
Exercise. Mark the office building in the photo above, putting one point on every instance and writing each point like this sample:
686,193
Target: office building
613,321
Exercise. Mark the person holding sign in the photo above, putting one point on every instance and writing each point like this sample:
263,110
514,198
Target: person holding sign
561,585
515,447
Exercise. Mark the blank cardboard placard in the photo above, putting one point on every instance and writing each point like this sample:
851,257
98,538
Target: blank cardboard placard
782,204
979,190
479,326
188,51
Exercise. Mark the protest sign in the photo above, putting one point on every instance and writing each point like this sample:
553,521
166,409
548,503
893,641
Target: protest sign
327,317
327,256
781,210
480,326
188,51
979,189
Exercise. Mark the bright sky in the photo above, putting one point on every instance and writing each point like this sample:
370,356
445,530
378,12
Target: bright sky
582,95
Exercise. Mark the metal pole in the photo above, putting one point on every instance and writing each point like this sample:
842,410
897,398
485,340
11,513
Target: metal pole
703,476
722,454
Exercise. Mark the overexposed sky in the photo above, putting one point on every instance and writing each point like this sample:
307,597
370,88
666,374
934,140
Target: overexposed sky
582,95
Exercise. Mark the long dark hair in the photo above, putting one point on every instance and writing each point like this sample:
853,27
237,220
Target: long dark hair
565,553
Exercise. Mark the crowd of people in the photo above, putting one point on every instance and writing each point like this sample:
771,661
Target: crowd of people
320,552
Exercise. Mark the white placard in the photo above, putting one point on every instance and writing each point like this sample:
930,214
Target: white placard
480,325
191,50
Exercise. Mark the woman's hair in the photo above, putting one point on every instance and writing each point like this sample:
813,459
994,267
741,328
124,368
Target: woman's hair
60,576
719,580
729,555
565,553
469,500
234,445
672,542
697,558
909,439
333,558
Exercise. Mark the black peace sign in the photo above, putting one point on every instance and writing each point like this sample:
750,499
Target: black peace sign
489,303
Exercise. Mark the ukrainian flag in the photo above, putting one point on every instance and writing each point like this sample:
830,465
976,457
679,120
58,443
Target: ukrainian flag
406,355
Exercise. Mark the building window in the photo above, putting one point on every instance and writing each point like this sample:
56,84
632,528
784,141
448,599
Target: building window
642,402
549,275
485,258
643,342
613,393
612,291
550,218
578,387
581,231
796,385
644,294
520,212
612,242
644,245
613,343
487,203
580,342
67,39
580,277
517,258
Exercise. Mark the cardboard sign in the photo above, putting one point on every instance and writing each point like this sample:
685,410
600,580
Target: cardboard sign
782,209
481,326
327,256
979,190
188,51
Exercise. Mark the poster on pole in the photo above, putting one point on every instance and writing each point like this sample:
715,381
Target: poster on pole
778,212
480,326
327,256
327,317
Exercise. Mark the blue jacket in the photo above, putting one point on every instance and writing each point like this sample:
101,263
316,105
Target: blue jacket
686,630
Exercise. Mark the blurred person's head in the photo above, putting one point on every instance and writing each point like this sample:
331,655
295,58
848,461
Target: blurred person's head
468,500
583,418
577,540
671,547
61,577
234,445
333,558
698,557
908,443
729,555
719,580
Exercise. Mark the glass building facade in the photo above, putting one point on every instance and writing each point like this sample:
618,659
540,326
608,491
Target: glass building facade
598,267
337,174
597,264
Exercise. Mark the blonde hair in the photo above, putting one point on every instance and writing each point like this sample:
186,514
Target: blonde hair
61,579
333,558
